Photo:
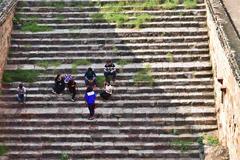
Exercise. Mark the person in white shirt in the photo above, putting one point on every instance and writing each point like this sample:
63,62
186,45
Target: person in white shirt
107,93
21,93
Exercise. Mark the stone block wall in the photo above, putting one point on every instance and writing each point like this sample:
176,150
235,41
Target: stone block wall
227,90
6,24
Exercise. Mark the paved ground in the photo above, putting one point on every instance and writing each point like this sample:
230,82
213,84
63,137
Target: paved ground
233,7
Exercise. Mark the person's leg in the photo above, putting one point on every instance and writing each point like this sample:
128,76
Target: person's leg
18,98
114,74
91,110
73,94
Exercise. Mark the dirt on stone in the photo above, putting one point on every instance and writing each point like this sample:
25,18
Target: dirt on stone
217,153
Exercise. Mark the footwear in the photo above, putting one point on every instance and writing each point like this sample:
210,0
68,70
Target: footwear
73,100
53,92
91,118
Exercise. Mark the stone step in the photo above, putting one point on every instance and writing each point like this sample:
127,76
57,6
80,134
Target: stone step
128,89
107,129
24,121
117,97
117,32
106,154
130,82
79,26
123,40
46,7
64,20
95,59
127,46
117,111
97,145
116,52
109,104
175,12
133,67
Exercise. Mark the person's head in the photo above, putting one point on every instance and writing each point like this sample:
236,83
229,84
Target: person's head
109,61
107,83
58,76
89,89
89,69
20,85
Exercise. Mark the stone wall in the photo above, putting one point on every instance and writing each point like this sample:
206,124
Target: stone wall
6,16
227,90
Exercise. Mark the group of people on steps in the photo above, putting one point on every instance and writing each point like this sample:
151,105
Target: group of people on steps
61,82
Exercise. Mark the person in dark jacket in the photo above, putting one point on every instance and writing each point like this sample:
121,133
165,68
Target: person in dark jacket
59,85
72,85
90,78
90,97
21,93
110,71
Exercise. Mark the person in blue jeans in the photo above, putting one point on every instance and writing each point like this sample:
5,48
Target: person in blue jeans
90,98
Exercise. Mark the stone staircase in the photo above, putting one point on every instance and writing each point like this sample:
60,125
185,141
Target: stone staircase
163,121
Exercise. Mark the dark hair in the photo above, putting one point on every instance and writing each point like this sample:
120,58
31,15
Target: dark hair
107,82
90,69
20,85
89,89
57,76
109,61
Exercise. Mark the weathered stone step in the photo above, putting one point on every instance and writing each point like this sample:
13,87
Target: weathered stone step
133,67
79,26
111,53
130,82
109,104
24,121
128,46
85,8
107,129
176,12
105,154
117,97
100,145
99,40
64,20
132,59
128,89
116,32
73,112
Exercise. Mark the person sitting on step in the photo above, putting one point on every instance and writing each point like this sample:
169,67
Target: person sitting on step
106,94
90,97
72,85
90,78
21,93
59,85
110,71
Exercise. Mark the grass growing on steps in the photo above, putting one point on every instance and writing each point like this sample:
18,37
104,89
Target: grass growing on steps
20,76
169,57
79,62
170,4
34,27
100,81
3,150
64,156
123,62
210,140
46,64
183,145
140,19
190,4
60,17
144,76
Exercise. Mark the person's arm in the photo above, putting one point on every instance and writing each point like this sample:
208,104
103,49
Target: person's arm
94,75
85,76
113,68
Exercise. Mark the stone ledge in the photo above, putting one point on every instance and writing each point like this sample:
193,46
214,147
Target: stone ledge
228,39
5,8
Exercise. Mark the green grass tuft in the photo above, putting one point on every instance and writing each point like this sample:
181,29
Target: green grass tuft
60,17
169,57
211,140
79,62
34,27
140,19
46,64
123,62
144,76
64,156
3,150
20,76
58,5
190,4
96,17
170,4
100,81
183,145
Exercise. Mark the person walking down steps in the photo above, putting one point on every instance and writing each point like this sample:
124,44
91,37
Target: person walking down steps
72,85
110,71
21,93
59,85
90,97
